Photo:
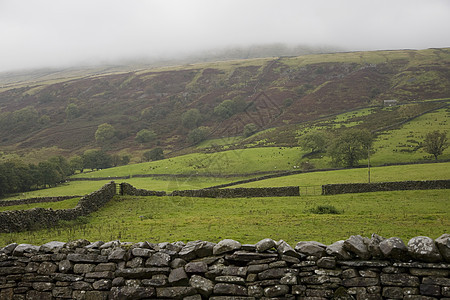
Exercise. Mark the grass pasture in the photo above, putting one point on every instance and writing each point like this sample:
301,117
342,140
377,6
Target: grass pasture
65,204
403,144
240,161
434,171
168,184
156,219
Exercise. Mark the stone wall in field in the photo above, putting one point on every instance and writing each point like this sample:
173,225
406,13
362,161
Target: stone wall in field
20,220
240,192
357,268
35,200
333,189
128,189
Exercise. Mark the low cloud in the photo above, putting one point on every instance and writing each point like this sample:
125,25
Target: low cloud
55,33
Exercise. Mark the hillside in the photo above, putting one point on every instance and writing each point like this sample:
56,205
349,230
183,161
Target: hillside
268,92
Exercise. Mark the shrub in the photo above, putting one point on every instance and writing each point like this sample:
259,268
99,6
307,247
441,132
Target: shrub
145,136
325,209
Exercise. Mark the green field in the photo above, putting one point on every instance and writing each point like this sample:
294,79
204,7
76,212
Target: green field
398,145
403,144
433,171
240,161
69,203
167,184
156,219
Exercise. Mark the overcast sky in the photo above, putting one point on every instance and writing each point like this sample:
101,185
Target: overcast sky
53,33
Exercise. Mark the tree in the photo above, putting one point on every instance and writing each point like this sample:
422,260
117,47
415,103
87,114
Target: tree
351,146
105,132
225,109
72,111
228,108
96,159
49,174
250,129
62,165
76,163
316,141
118,160
191,118
154,154
145,136
435,143
197,135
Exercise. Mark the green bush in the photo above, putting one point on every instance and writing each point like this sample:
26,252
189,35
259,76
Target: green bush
325,209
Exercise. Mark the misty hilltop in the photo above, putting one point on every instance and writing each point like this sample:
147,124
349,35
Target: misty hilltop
64,109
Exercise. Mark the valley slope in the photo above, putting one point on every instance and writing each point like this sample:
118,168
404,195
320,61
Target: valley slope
272,92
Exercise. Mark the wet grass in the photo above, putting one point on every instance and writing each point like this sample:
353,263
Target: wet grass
156,219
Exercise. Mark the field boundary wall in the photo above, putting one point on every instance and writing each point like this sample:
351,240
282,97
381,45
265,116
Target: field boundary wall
343,188
128,189
21,220
36,200
355,268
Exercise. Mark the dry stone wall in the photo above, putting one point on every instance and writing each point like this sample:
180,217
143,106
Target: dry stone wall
35,200
356,268
333,189
20,220
128,189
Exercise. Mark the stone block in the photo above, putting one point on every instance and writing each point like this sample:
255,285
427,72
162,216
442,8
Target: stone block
276,291
196,267
312,248
360,282
226,245
230,289
327,262
424,249
83,268
203,285
357,245
62,292
403,280
158,259
178,277
265,245
102,284
176,292
430,290
393,292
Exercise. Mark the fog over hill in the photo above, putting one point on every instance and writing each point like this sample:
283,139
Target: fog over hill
126,65
61,34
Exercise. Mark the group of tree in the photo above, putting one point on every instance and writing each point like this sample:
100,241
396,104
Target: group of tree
94,159
345,149
228,108
22,120
16,176
154,154
350,146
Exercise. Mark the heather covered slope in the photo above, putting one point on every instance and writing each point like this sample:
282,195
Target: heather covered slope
270,92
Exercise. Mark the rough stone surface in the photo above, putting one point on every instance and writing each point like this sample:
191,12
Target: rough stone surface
337,250
358,246
443,244
80,270
203,285
226,245
423,248
264,245
311,248
394,248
